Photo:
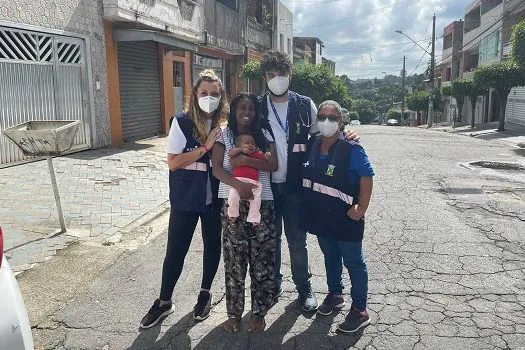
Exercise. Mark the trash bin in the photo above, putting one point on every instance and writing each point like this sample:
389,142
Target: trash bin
46,138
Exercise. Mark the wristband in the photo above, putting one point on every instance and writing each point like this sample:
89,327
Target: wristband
206,148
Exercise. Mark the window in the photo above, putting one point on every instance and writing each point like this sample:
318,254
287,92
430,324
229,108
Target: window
281,42
489,47
232,4
321,49
289,46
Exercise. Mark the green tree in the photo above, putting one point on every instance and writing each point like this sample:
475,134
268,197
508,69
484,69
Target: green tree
446,90
418,101
252,70
366,109
353,115
319,83
459,91
393,113
518,44
473,90
501,76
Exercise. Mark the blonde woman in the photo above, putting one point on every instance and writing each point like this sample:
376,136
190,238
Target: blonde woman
193,194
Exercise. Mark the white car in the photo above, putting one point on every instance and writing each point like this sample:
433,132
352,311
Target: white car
15,330
355,122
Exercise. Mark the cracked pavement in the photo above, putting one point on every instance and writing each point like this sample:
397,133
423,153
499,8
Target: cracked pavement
445,248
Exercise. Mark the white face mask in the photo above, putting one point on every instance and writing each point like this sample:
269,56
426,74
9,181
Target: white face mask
209,104
328,128
279,85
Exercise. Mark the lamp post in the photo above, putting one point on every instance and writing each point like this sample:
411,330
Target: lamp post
432,68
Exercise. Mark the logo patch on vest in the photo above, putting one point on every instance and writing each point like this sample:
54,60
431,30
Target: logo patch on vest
330,170
298,130
306,164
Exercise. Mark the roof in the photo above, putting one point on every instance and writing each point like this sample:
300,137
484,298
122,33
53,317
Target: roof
308,38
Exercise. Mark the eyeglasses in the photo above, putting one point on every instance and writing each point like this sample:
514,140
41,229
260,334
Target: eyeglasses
331,117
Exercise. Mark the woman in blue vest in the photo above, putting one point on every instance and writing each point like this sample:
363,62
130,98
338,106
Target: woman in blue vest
193,194
243,243
337,186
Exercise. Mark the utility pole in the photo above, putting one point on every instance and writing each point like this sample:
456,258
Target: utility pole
403,74
432,68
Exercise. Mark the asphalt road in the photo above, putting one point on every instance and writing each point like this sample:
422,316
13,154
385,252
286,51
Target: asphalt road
445,252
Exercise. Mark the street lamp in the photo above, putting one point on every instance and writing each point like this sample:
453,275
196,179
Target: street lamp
432,54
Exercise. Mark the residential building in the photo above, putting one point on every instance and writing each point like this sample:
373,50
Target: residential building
283,39
329,63
259,35
313,46
450,63
302,54
224,42
149,47
486,39
52,66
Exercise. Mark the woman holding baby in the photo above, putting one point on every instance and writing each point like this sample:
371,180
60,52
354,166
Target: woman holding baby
242,160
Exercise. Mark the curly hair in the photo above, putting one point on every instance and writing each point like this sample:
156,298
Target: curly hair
276,61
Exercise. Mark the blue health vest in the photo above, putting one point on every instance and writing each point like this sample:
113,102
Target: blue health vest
299,122
328,194
188,185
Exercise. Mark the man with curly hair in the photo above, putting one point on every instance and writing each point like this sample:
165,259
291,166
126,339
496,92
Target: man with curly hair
291,119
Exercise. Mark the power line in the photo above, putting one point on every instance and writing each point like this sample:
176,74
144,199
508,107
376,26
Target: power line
382,9
421,59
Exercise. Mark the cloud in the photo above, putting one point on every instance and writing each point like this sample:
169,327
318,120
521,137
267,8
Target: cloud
360,34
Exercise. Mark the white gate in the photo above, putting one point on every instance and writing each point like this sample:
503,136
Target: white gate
42,77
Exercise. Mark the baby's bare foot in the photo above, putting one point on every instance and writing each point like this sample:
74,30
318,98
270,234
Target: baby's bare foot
232,325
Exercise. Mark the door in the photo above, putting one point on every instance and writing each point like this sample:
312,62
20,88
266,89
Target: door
139,90
42,77
178,86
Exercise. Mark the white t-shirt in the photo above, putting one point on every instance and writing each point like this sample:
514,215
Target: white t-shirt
264,177
280,135
177,143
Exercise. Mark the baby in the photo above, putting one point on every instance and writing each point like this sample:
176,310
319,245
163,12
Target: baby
245,144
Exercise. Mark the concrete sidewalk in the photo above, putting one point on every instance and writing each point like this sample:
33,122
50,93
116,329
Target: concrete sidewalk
514,135
102,191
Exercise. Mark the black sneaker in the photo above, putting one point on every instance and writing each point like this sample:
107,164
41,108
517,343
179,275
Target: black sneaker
330,303
354,321
202,309
156,313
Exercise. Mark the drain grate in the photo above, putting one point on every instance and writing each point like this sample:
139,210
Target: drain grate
498,165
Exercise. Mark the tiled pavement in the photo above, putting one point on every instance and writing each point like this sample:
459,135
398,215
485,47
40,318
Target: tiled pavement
101,190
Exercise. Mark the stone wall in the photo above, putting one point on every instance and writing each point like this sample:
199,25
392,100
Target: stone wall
77,16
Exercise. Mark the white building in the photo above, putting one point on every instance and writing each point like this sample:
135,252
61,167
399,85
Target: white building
283,33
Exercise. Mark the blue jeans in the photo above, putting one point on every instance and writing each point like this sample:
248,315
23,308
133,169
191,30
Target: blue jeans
287,210
336,253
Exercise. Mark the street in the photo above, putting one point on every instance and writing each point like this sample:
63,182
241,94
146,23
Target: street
445,247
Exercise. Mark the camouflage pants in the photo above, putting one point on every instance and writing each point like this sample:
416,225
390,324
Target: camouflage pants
244,244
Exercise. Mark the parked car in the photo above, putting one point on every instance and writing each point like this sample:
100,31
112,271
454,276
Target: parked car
15,330
392,122
355,122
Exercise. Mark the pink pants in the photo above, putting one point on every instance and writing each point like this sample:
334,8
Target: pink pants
254,214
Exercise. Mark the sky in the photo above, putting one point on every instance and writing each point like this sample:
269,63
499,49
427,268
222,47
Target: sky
359,35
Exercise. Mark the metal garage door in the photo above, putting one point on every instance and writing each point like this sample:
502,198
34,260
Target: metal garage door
516,106
42,77
139,89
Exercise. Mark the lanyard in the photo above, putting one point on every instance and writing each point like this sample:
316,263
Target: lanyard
285,129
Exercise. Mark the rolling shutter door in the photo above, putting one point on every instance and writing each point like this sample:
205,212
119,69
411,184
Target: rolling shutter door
516,106
139,90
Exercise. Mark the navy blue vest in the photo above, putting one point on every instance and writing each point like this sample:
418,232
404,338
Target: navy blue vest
299,121
188,187
327,191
